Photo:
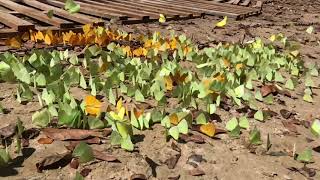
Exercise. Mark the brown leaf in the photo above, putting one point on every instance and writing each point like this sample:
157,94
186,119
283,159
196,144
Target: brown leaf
85,172
172,161
174,177
270,113
104,156
316,146
290,126
195,159
268,89
45,141
70,134
196,172
94,140
192,138
285,113
138,177
74,163
175,147
54,161
8,131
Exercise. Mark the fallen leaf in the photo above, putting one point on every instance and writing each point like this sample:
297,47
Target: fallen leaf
172,161
8,131
192,138
70,134
45,141
94,140
74,163
138,177
104,156
175,147
92,105
195,159
85,172
285,113
268,89
290,126
54,161
196,172
177,177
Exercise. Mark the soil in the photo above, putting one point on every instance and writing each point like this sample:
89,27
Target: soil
223,157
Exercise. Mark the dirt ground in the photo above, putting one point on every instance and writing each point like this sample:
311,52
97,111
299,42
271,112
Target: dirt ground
223,158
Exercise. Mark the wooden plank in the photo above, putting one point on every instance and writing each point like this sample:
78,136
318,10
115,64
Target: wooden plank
142,8
245,3
160,7
236,2
7,33
15,22
200,9
224,5
80,18
233,9
108,9
36,14
90,11
123,7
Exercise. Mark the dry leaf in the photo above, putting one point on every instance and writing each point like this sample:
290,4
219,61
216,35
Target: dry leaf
45,141
138,177
70,134
8,131
192,138
104,156
268,89
54,161
85,172
290,126
196,172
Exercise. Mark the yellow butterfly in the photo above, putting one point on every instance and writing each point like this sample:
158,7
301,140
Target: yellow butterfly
92,105
208,129
223,22
162,18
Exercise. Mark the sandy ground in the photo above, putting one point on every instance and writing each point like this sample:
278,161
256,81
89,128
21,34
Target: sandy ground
223,158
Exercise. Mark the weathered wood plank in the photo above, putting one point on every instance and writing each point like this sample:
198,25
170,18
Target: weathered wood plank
80,18
36,14
15,22
89,10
